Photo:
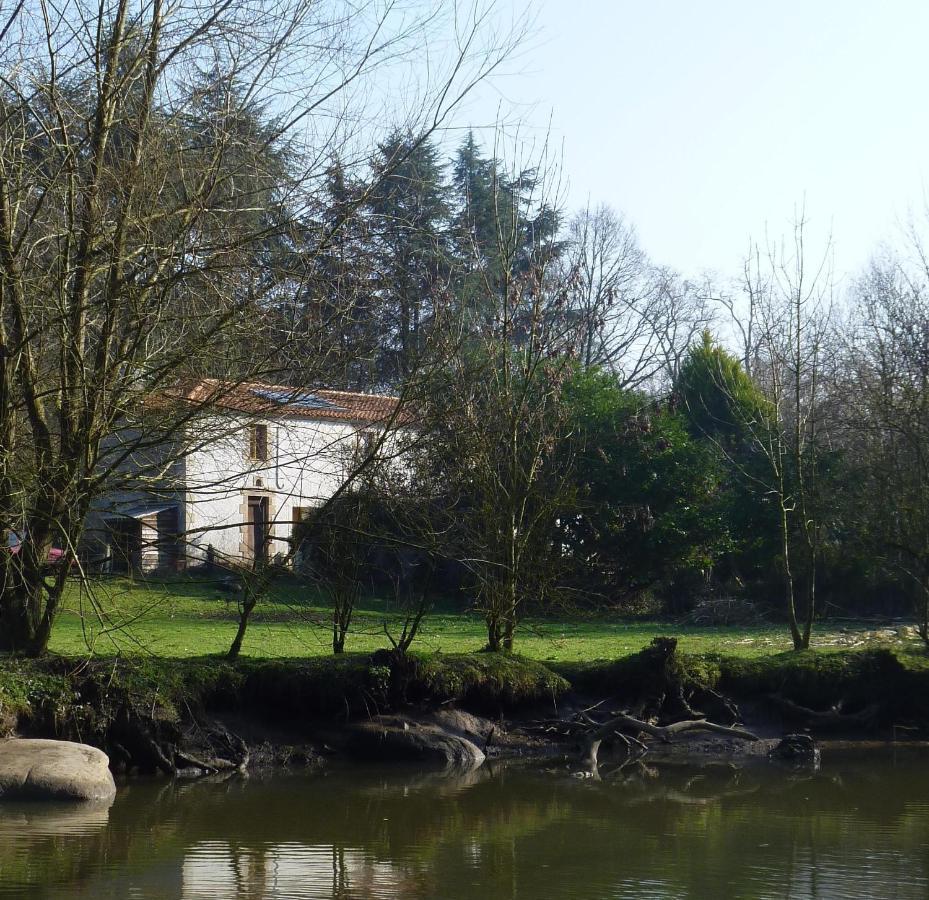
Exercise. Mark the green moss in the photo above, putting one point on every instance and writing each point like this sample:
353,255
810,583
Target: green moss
71,697
855,678
489,680
634,675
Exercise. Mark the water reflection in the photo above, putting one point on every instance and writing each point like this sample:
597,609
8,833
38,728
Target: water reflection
288,870
860,827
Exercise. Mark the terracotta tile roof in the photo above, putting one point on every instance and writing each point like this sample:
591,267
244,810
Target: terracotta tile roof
276,400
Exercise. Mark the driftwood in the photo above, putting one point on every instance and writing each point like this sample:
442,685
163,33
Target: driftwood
209,766
211,750
665,733
627,729
832,718
655,685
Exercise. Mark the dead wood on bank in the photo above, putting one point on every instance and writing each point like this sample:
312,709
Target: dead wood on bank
833,718
661,709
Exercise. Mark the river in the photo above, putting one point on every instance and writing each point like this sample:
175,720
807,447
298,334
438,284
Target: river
857,828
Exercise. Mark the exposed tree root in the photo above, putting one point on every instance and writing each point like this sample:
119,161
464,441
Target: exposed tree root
832,718
657,690
665,733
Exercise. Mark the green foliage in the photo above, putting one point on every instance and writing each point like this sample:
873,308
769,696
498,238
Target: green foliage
499,230
408,212
726,412
27,686
718,398
644,491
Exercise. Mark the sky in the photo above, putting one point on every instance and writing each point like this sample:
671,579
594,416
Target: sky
708,123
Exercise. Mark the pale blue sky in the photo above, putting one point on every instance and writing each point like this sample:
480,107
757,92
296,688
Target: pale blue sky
707,121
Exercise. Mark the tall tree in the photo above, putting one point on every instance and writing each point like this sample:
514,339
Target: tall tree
792,309
140,209
502,227
644,508
495,415
724,409
408,233
887,415
336,314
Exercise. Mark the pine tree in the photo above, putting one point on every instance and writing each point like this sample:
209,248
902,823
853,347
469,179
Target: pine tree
336,314
408,214
500,228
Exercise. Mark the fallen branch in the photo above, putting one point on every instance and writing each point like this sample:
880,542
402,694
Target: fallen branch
189,761
825,718
664,733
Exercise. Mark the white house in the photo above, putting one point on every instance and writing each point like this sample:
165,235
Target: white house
256,460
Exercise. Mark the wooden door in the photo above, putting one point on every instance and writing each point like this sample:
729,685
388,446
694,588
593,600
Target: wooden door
257,528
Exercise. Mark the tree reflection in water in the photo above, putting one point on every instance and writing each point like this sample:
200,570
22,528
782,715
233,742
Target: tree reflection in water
857,828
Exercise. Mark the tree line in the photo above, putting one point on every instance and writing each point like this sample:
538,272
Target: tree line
182,194
775,454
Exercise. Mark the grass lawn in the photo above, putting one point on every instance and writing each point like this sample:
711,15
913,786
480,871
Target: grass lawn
193,617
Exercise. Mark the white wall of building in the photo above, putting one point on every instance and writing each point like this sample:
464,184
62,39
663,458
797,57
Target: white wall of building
210,484
307,462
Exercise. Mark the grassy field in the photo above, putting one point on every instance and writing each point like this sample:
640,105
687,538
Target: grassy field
189,617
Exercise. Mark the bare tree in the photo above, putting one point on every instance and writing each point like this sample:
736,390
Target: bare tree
886,394
793,311
143,221
495,417
741,305
636,319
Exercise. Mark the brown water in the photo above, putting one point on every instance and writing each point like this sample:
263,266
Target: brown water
858,828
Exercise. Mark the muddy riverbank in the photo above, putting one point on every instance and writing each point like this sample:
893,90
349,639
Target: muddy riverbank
207,715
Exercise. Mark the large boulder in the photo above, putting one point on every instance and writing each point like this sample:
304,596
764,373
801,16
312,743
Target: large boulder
474,728
54,770
798,750
398,739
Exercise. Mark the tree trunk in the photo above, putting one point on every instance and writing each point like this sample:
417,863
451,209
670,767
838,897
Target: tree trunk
789,585
493,633
510,607
340,624
248,604
509,633
27,610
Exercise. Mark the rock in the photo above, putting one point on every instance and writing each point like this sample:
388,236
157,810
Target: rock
54,770
464,724
394,738
799,749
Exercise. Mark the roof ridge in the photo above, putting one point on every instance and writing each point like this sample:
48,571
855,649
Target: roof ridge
356,394
257,397
248,385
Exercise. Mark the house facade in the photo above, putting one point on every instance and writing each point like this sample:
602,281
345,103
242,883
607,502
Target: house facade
254,463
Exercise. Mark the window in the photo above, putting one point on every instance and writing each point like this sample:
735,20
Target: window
258,442
366,441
